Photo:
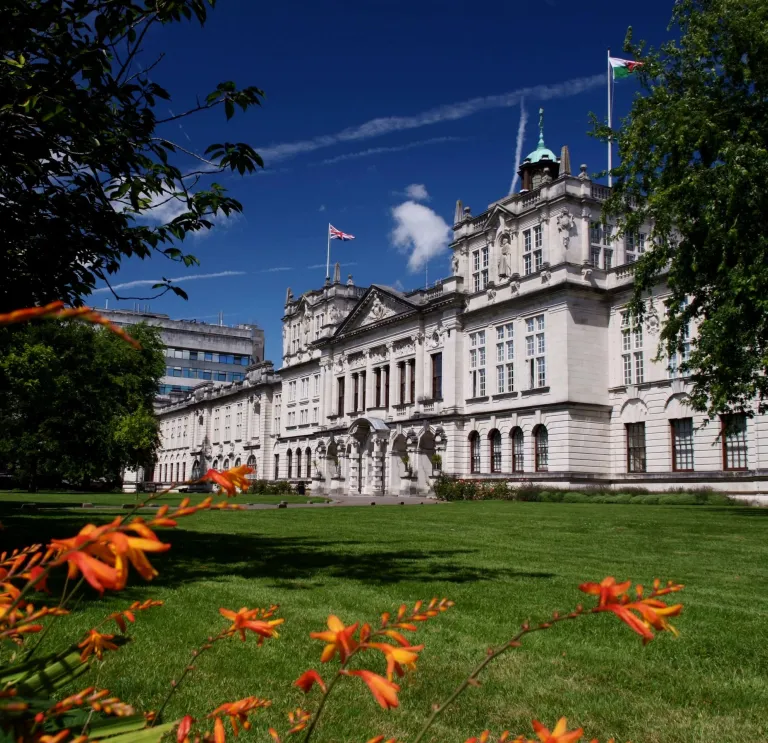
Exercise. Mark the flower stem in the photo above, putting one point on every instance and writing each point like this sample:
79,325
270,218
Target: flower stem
489,658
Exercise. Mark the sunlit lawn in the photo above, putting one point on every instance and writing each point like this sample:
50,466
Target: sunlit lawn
501,563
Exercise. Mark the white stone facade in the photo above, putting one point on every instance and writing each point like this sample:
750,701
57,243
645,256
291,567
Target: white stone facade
521,366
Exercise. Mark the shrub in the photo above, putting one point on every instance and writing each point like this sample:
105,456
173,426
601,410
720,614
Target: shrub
270,487
576,497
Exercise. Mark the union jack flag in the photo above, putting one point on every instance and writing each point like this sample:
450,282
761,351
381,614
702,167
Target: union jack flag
338,234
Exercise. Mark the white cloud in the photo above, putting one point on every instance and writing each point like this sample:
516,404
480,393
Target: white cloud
417,192
420,232
519,144
177,280
382,150
322,208
450,112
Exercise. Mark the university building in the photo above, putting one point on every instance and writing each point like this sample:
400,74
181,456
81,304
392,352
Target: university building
523,366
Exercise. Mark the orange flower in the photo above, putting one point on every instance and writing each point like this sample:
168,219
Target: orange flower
230,480
238,713
96,643
182,734
397,657
503,738
607,589
308,679
299,719
380,738
558,735
246,619
339,639
384,692
219,735
102,553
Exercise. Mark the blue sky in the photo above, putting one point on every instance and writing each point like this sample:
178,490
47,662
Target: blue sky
363,100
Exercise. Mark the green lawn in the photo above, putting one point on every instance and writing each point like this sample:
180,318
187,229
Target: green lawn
75,500
502,563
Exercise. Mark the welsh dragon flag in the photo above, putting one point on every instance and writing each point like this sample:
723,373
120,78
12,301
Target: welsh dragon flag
623,67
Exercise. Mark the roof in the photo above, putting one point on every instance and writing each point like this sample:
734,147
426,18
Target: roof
542,152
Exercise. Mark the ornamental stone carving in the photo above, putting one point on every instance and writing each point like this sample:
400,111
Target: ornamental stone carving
565,223
377,311
455,264
504,263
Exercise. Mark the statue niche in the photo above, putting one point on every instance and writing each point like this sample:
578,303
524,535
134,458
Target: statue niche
505,250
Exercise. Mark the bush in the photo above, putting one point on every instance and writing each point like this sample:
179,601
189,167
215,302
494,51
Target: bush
270,487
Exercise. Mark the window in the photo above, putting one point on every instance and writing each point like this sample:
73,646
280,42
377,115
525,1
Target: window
527,256
315,414
305,388
477,363
239,422
635,447
377,386
292,390
535,352
340,396
216,424
289,455
304,416
227,424
474,452
595,233
316,392
537,248
298,462
355,392
494,437
277,466
291,417
733,432
634,242
221,376
437,376
518,451
505,355
276,415
176,371
480,269
196,472
682,444
412,393
401,377
541,444
225,467
607,258
594,256
632,350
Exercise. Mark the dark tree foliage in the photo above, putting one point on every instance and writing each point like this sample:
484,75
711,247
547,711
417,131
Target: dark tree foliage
76,402
694,162
85,156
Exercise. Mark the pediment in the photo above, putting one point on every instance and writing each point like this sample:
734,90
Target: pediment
375,306
499,221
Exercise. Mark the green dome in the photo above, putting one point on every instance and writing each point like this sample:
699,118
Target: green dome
542,152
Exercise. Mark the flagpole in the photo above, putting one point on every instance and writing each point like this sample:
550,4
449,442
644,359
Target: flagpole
328,256
610,122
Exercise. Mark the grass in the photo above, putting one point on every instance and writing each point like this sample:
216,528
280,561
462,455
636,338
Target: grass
75,500
502,563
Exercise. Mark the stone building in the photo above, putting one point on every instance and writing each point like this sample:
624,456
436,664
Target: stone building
522,366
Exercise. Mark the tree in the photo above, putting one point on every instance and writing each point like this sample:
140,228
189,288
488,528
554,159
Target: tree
694,163
85,158
76,402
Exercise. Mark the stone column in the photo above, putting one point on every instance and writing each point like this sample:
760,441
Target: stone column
369,389
354,468
349,393
585,220
377,484
393,399
418,341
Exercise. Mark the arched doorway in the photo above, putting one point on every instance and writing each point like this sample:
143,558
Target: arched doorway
367,444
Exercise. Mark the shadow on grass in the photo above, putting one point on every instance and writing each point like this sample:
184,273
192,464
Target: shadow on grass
288,561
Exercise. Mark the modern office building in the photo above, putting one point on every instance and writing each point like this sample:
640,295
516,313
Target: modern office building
198,352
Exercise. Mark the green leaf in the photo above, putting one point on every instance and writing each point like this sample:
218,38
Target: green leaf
145,735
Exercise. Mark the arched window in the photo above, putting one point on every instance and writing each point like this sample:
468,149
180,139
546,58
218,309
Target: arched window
251,461
298,462
237,462
165,473
177,471
290,464
518,450
308,455
196,475
226,464
541,439
277,466
474,452
183,470
494,437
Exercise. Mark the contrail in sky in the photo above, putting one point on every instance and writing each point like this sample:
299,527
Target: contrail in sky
150,282
519,145
451,112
